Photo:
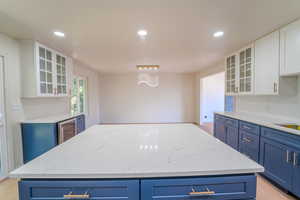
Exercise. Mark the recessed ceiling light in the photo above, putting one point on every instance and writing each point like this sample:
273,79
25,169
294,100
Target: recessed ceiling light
218,34
59,34
142,33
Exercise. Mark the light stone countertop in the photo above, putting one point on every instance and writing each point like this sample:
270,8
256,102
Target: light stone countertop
264,120
139,151
50,119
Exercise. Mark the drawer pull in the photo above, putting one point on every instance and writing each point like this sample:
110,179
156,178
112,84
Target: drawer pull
247,140
246,127
204,193
76,196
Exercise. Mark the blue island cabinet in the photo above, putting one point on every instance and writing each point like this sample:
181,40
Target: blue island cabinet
230,187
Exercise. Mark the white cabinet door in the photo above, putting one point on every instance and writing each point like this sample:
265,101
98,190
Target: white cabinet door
61,75
290,49
245,70
231,75
45,69
267,64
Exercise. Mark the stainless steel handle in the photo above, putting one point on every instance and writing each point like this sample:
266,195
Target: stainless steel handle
246,127
295,162
287,156
246,140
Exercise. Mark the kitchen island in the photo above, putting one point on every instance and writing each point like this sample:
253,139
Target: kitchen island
165,161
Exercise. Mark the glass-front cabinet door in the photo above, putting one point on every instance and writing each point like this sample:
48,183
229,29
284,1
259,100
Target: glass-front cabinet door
45,65
61,75
246,61
231,72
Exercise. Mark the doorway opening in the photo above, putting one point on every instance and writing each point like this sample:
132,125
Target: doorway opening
212,99
3,141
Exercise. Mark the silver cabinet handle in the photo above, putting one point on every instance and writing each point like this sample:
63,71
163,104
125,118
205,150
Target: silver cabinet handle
295,162
287,156
246,127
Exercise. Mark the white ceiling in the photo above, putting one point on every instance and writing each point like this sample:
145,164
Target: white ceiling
102,33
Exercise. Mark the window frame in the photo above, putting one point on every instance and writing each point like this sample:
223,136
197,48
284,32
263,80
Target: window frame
85,101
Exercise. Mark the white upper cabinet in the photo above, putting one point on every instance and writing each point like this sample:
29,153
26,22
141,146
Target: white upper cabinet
290,49
245,69
239,72
231,74
266,65
44,71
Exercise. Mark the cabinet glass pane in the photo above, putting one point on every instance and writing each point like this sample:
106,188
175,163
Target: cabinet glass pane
42,64
58,69
49,66
49,55
248,53
63,70
63,61
49,77
58,59
42,52
64,89
43,88
49,88
59,90
42,76
59,79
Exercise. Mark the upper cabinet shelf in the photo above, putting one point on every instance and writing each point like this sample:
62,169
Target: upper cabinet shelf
45,72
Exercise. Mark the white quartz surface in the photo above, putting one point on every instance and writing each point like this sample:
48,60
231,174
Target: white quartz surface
133,151
264,120
50,119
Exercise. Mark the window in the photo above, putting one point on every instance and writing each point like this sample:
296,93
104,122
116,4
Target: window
79,96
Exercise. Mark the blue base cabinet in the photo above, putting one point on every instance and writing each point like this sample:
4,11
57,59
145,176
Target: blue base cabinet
226,130
233,187
275,158
38,138
277,151
249,140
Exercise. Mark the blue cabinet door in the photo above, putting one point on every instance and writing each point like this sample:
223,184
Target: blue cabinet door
232,137
37,139
80,121
277,161
95,189
219,128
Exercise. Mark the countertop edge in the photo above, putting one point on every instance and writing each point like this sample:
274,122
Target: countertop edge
137,175
260,123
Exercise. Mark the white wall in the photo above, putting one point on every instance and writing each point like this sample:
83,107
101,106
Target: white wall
212,96
18,109
287,106
204,73
9,48
123,101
